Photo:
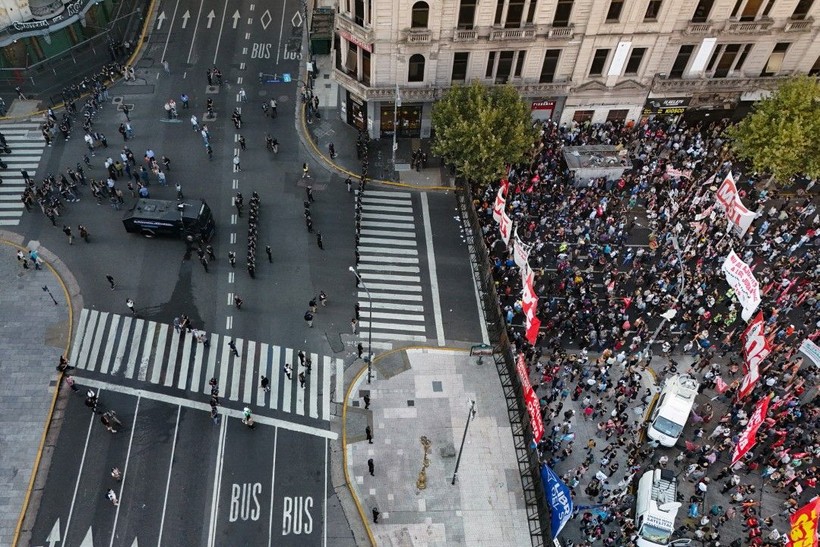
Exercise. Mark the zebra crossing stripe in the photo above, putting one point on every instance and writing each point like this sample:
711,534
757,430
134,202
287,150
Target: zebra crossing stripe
389,268
386,277
381,216
408,226
224,365
388,193
86,340
276,368
95,350
400,337
386,233
388,259
391,306
249,377
392,326
156,367
388,251
234,362
212,360
146,353
391,287
200,354
325,389
287,385
184,361
396,316
391,209
390,296
172,359
135,345
122,345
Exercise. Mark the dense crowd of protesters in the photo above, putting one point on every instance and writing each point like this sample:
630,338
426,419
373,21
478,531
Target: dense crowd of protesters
612,255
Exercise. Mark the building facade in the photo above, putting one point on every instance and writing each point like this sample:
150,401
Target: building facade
576,60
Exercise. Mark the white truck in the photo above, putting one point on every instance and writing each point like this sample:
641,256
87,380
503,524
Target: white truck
656,507
672,409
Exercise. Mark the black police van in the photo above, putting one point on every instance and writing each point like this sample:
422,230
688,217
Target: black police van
190,219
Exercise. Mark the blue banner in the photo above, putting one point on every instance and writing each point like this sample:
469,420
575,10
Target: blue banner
558,498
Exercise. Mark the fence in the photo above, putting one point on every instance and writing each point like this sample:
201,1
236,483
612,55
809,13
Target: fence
538,516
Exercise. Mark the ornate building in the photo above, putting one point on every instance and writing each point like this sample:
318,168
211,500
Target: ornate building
571,59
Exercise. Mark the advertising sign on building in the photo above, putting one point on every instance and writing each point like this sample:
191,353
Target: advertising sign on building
666,107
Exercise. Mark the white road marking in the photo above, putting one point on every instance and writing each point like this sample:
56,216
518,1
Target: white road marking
391,336
214,342
391,326
388,268
388,259
396,316
186,359
196,26
431,261
274,381
91,421
170,26
281,29
388,250
126,327
391,306
273,484
249,376
391,296
156,369
236,368
391,287
410,226
382,232
146,351
95,351
172,359
134,350
367,277
220,458
125,471
221,26
326,389
168,482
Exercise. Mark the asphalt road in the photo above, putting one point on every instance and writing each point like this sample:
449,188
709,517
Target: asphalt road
187,481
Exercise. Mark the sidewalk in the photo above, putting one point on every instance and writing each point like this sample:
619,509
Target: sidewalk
331,128
426,392
35,333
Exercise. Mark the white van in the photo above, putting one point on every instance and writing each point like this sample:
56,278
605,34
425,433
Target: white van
672,409
656,507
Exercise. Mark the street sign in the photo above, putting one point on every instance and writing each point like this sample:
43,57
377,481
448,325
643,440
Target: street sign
481,350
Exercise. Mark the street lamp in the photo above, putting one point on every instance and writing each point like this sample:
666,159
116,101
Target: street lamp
396,105
369,358
470,416
669,314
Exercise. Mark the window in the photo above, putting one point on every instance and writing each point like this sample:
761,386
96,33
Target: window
735,9
531,11
352,60
653,9
635,59
598,62
549,66
775,59
727,59
815,70
519,63
768,8
505,61
365,67
614,12
802,9
466,14
460,61
358,12
420,15
499,12
702,11
742,57
562,12
583,116
679,66
490,65
750,10
415,70
617,116
515,13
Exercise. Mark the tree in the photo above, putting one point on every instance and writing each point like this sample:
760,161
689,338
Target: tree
479,129
782,134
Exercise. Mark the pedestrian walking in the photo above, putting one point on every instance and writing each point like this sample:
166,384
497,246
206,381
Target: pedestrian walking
302,379
130,304
305,171
371,467
210,250
236,166
309,194
247,418
301,356
242,142
194,122
264,384
112,497
309,319
369,434
354,325
243,97
116,474
312,305
288,371
319,240
366,400
359,349
323,298
332,150
67,232
232,259
166,66
238,301
376,514
232,345
185,100
269,253
204,262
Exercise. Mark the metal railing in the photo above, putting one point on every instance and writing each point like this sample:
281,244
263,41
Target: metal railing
528,465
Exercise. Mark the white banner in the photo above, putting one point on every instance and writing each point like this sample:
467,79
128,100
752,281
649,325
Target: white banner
521,253
742,280
505,227
500,203
729,200
811,350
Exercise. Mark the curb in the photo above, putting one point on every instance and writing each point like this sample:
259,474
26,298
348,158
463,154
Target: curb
353,383
333,166
47,426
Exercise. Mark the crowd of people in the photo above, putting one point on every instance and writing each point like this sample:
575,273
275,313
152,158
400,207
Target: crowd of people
611,256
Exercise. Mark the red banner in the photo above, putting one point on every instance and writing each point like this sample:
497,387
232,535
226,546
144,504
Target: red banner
531,400
720,385
747,438
804,525
505,227
755,348
530,306
500,202
728,198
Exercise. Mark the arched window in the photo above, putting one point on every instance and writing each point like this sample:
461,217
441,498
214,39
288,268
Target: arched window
421,13
415,72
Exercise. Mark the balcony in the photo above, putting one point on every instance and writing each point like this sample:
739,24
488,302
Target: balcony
418,36
693,28
749,27
560,33
509,34
360,33
732,84
465,35
538,90
803,25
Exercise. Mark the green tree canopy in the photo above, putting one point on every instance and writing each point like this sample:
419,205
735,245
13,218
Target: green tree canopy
479,129
782,134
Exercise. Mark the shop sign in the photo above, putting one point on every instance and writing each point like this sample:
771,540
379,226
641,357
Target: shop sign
543,105
669,106
72,9
350,38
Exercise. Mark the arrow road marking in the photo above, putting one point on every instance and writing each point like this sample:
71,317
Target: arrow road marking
135,544
54,535
211,18
88,540
160,19
235,18
185,17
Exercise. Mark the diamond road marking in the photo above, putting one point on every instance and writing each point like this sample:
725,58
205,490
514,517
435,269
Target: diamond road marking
296,20
266,19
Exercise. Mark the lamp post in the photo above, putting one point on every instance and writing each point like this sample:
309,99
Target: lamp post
396,105
369,358
470,416
670,314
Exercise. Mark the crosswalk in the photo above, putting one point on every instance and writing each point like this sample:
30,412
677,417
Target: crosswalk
27,145
389,267
147,351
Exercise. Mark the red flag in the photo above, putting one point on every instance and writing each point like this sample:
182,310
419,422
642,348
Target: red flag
755,348
532,330
720,385
627,302
747,438
804,525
